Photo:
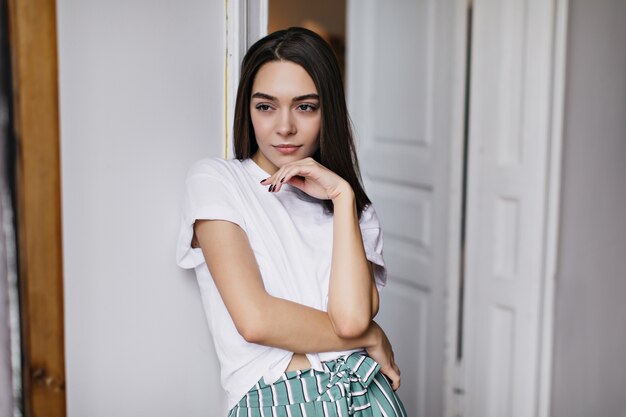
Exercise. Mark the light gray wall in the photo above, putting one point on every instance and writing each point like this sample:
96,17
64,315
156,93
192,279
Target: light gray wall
590,327
141,97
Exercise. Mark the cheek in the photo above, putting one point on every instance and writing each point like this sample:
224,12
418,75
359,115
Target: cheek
312,136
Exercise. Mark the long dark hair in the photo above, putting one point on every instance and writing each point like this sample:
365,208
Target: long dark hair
336,145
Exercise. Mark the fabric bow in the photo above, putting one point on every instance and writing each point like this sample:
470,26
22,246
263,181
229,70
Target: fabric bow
349,378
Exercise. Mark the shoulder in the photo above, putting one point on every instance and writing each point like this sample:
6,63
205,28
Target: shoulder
215,167
212,187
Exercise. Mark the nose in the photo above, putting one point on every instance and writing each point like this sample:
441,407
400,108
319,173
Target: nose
286,124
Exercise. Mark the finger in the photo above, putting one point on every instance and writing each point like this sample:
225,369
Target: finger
274,180
274,185
268,182
283,177
394,376
297,182
395,380
285,173
295,176
396,384
300,168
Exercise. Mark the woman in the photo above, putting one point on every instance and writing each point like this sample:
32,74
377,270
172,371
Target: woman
287,247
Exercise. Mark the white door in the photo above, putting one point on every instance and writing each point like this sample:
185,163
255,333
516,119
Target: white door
401,73
509,150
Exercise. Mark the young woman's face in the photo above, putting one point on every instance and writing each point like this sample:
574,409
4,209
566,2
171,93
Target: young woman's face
286,115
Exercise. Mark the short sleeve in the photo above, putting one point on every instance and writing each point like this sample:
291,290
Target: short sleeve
373,244
207,195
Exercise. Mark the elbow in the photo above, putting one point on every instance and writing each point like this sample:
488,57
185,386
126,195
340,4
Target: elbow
251,331
251,326
350,327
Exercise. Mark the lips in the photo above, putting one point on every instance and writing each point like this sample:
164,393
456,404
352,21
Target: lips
287,149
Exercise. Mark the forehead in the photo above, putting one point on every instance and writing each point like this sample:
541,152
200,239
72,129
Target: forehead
283,79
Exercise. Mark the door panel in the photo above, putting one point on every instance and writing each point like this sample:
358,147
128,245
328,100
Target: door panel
507,192
410,350
400,55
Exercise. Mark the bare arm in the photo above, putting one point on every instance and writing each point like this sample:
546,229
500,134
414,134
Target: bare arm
259,317
353,296
271,321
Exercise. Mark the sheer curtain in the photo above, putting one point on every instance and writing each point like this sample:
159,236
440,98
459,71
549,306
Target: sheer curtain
10,374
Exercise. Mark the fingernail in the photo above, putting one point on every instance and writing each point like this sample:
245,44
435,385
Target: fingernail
282,179
263,180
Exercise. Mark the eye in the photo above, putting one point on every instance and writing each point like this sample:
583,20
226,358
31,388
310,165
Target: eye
263,107
306,107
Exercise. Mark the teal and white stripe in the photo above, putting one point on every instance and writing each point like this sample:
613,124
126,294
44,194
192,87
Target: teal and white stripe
348,386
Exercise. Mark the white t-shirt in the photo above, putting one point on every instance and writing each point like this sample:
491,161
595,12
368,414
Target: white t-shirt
291,236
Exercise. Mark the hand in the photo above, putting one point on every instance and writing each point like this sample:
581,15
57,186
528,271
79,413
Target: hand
382,352
311,177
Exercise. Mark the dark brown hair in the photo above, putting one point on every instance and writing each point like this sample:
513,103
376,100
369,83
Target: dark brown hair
336,145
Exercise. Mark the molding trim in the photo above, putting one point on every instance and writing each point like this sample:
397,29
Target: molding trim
246,21
553,207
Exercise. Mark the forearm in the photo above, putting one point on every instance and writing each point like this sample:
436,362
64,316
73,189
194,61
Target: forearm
351,289
300,329
282,327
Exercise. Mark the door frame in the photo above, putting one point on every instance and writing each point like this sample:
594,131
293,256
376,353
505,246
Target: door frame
33,45
246,22
553,206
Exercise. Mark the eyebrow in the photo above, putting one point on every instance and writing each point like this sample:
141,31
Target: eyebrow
298,98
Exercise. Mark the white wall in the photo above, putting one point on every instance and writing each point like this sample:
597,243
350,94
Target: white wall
141,97
590,335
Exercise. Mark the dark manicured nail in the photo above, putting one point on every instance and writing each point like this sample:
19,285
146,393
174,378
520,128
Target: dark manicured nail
263,180
282,179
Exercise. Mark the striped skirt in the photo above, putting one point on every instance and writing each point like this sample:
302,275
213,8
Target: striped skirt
348,386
